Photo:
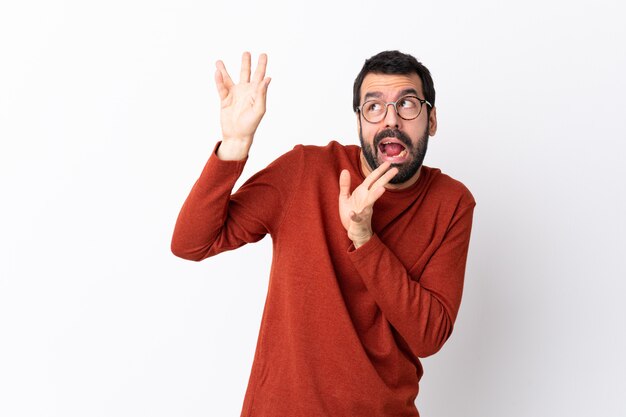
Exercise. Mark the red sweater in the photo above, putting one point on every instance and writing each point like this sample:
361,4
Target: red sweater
342,328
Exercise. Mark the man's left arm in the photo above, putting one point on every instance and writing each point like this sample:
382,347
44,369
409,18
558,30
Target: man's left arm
422,309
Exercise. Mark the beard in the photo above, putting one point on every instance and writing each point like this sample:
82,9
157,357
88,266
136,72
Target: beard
416,152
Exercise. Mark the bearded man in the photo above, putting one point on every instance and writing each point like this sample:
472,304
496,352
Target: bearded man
369,245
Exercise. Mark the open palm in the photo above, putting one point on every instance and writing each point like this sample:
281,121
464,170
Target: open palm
242,104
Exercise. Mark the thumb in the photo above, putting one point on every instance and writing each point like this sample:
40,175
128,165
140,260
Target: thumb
221,85
344,184
355,217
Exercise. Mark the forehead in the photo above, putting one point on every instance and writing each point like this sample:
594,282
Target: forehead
390,84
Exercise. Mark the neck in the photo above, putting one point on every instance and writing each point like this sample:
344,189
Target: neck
366,169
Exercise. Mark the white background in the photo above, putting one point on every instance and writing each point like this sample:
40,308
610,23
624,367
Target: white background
108,112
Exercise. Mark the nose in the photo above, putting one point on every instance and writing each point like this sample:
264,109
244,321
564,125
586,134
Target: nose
391,118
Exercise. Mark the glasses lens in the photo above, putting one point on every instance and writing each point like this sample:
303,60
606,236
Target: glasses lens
374,110
409,107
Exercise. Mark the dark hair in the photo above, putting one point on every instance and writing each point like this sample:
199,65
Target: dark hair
394,62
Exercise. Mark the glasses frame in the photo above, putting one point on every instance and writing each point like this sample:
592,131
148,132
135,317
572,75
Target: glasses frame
395,107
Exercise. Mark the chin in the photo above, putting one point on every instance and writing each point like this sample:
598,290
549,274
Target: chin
406,172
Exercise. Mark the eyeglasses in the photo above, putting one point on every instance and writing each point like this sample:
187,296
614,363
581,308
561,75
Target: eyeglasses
407,107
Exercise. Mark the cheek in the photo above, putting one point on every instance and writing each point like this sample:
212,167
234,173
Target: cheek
368,133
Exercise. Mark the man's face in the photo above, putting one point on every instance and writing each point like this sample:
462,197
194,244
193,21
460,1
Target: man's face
402,142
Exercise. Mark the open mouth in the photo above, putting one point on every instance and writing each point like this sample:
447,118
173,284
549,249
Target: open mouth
392,149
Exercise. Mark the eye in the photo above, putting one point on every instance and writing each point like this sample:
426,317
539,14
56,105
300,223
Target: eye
407,103
373,107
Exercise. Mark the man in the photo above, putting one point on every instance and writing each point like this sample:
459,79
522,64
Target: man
369,245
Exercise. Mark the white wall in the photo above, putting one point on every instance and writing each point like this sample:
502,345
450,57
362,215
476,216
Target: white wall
108,112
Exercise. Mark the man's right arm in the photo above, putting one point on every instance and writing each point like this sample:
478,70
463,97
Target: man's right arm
202,227
213,220
204,213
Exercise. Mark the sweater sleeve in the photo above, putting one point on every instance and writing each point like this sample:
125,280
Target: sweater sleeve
212,220
421,309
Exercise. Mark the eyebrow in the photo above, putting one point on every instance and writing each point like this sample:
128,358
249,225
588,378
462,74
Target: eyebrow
408,91
377,94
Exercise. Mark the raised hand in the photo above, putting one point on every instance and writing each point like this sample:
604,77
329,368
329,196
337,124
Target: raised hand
356,209
242,106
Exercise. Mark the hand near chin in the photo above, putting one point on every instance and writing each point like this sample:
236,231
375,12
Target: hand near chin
242,106
356,208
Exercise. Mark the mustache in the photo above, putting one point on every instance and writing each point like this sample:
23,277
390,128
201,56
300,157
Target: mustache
393,133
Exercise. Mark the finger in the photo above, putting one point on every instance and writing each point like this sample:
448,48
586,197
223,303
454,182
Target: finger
384,180
378,188
244,76
375,194
225,77
219,82
261,94
375,174
259,73
344,184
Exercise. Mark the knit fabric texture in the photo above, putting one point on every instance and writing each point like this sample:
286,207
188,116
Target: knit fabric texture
343,328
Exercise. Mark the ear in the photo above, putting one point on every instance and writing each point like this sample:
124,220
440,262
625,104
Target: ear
432,122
